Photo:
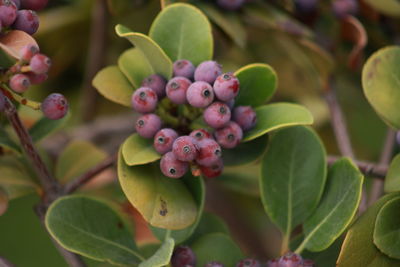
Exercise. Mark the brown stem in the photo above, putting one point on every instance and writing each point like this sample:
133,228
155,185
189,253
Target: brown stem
374,170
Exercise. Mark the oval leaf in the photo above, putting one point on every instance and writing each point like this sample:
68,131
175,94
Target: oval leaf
7,142
151,51
276,116
135,66
45,126
337,208
392,180
138,150
381,84
11,44
162,256
74,222
242,179
248,152
112,84
183,32
209,223
255,80
162,201
293,175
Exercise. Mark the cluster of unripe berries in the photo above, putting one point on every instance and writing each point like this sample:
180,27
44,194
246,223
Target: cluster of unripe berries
20,15
184,256
340,8
204,87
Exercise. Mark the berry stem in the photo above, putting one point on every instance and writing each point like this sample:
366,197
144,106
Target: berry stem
167,117
26,69
20,99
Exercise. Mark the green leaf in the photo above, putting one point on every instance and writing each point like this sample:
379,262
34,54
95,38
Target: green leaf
184,32
68,167
337,208
387,229
197,188
112,84
381,84
256,80
44,126
276,116
358,248
156,58
134,66
162,201
138,150
392,180
248,152
91,228
216,247
387,7
7,142
209,223
293,175
162,256
242,179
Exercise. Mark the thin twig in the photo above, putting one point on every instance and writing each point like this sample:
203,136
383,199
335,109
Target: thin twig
371,169
5,263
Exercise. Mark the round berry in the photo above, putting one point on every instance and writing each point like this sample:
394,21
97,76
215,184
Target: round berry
308,263
214,264
8,12
273,263
55,106
214,170
184,68
182,257
209,152
27,21
2,101
229,136
217,115
342,8
230,4
19,83
17,3
144,100
226,87
36,78
245,116
207,71
200,94
28,51
185,148
157,83
176,89
172,167
290,260
248,263
34,4
200,134
40,64
148,125
164,139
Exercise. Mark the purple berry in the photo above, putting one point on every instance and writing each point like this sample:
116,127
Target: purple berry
55,106
306,6
214,170
230,4
164,139
273,263
207,71
40,64
19,83
148,125
28,51
176,89
182,257
245,116
2,101
342,8
144,100
217,115
200,134
290,260
200,94
172,167
36,78
231,103
308,263
27,21
226,87
184,68
214,264
34,4
17,3
248,263
209,152
8,12
229,136
185,148
157,83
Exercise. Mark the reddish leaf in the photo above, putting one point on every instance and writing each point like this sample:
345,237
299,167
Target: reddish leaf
13,41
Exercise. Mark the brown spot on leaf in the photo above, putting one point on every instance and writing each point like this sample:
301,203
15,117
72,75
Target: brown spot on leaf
120,225
163,208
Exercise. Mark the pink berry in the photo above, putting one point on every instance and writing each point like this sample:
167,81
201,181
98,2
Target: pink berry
36,78
245,116
157,83
34,4
209,152
182,257
17,3
343,8
248,263
172,167
185,148
207,71
40,64
55,106
200,134
19,83
214,170
148,125
176,89
308,263
144,100
164,139
200,94
28,51
226,87
290,260
273,263
229,136
217,115
8,12
184,68
27,21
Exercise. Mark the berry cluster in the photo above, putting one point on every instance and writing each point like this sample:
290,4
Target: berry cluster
20,15
205,90
290,259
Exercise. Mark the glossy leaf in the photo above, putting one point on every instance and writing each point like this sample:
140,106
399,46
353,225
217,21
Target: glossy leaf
387,229
156,58
7,142
162,201
74,221
392,180
256,80
112,84
276,116
134,66
184,32
243,178
387,7
358,248
162,256
248,152
337,207
293,175
138,150
381,84
44,127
